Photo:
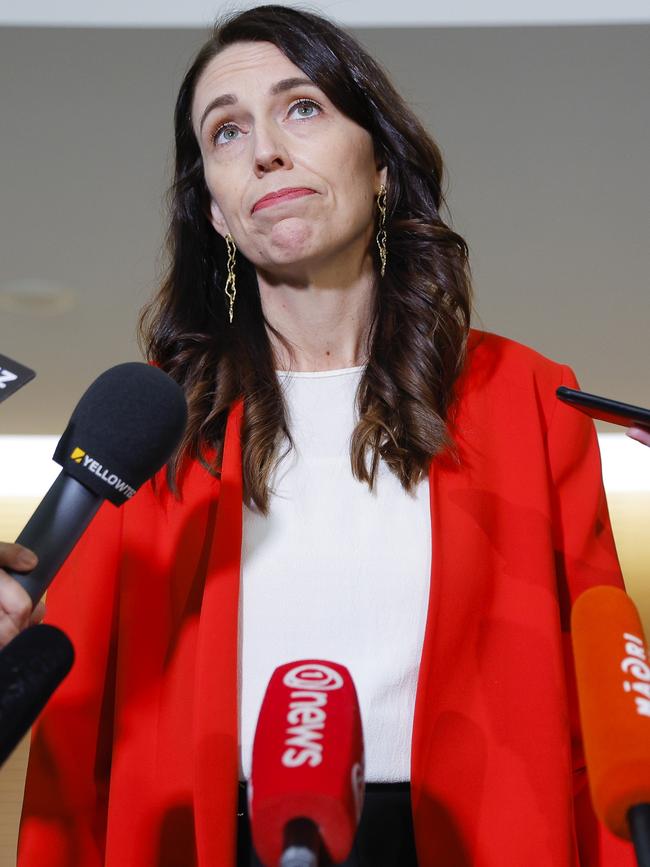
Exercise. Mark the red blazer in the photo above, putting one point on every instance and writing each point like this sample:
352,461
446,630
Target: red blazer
134,762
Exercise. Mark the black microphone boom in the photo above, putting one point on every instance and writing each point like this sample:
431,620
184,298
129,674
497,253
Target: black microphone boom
32,665
123,430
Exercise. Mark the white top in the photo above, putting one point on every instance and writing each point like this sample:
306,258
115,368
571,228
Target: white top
336,572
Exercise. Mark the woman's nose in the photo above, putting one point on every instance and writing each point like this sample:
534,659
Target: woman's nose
270,150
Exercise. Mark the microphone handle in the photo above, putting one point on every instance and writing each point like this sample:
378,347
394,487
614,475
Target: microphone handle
54,529
638,818
298,856
301,844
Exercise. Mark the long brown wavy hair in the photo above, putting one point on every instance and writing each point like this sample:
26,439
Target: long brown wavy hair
420,322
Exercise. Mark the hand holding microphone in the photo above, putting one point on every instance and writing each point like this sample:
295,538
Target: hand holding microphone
16,607
307,778
123,430
35,660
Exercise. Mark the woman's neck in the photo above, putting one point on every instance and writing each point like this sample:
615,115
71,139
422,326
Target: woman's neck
326,325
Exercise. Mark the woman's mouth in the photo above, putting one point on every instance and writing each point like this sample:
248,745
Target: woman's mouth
281,196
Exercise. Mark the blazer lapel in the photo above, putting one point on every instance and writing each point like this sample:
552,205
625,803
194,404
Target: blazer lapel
216,702
461,565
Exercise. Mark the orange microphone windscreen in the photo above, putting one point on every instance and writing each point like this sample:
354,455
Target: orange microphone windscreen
613,677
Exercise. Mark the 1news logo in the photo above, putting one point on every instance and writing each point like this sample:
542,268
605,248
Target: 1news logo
306,715
313,675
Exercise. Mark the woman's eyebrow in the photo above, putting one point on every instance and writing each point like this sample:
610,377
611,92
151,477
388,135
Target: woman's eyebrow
278,87
288,83
226,99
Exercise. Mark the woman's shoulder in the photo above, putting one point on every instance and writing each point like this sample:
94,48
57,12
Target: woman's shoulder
492,358
501,372
485,347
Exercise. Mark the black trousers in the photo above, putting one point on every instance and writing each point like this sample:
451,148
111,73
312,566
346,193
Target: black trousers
384,839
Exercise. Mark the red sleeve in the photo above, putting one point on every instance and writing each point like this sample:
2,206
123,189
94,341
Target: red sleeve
585,556
64,810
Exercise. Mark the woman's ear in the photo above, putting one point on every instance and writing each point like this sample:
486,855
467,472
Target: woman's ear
383,174
217,220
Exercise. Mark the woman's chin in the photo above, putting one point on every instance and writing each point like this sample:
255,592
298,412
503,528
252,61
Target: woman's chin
290,239
293,248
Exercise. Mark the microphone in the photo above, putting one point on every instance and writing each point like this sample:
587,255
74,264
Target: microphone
32,665
307,778
123,430
613,679
13,376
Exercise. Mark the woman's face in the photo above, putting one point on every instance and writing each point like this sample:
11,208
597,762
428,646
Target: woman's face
263,127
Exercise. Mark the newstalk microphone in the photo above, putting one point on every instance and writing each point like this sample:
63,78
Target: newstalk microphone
307,777
123,430
613,678
32,665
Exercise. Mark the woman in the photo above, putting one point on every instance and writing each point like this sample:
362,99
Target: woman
417,505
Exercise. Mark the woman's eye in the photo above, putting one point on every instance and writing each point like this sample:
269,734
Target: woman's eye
305,108
223,134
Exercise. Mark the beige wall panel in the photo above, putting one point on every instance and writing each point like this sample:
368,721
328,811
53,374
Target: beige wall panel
630,514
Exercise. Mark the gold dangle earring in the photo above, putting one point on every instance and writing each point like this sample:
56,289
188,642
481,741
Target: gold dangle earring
381,234
231,289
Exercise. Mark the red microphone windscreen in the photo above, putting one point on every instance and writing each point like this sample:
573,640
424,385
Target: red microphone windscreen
613,678
307,758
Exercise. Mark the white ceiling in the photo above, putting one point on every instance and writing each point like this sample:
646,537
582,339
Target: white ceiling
353,13
546,133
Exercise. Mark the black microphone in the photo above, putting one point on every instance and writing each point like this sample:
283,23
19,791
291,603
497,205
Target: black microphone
32,665
123,430
13,376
